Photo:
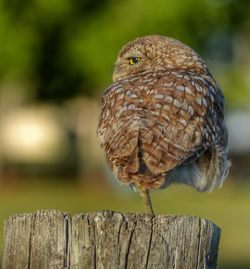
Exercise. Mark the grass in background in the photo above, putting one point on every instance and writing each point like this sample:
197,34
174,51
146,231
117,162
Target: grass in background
228,207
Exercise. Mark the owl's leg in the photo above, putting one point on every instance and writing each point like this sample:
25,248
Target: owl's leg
147,201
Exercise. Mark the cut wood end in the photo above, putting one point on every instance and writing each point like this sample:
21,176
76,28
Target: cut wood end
109,239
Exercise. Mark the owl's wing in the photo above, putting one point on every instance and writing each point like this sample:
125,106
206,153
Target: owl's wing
185,119
161,119
117,134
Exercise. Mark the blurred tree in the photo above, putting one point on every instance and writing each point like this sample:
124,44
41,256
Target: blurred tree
68,47
33,34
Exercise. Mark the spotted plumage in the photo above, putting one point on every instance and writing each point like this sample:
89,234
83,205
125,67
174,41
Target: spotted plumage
162,119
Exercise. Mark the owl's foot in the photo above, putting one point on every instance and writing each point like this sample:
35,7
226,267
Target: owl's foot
147,201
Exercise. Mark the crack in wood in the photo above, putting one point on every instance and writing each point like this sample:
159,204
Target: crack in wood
66,261
118,242
94,246
150,239
32,228
199,245
128,246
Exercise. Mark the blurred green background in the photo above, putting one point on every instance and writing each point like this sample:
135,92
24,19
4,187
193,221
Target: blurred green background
56,58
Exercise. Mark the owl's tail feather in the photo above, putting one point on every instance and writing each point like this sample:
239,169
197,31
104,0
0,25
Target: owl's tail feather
131,167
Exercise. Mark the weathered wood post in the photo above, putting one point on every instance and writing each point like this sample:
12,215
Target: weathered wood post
107,240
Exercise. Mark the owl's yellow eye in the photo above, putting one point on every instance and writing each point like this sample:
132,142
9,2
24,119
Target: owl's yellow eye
133,60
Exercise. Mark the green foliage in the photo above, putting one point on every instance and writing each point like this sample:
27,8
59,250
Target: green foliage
68,47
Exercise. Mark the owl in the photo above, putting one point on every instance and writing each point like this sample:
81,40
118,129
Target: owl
162,120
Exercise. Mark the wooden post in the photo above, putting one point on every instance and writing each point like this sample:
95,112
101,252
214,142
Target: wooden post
108,240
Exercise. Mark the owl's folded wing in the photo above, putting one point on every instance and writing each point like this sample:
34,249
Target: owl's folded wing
186,118
162,119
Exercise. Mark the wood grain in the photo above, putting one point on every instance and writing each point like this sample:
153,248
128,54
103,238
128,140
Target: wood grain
106,240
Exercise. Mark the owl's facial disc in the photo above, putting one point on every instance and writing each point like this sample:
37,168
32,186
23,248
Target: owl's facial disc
156,53
130,63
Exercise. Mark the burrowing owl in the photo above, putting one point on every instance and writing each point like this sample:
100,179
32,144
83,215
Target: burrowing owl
162,119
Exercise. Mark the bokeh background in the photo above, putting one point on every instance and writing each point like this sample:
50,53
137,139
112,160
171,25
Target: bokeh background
56,59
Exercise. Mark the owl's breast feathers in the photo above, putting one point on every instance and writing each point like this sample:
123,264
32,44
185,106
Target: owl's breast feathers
152,123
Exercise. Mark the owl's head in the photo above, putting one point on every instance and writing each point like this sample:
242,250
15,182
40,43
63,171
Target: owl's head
156,53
